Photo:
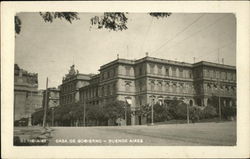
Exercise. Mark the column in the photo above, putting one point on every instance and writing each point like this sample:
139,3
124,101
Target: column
205,101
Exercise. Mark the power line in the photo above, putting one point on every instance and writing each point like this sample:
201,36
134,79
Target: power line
218,48
188,26
208,26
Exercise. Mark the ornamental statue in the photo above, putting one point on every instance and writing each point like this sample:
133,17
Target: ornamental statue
72,70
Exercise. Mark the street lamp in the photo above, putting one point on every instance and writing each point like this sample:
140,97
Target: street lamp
52,120
152,110
128,102
188,113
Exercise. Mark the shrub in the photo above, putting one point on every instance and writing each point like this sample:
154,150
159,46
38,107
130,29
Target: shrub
208,112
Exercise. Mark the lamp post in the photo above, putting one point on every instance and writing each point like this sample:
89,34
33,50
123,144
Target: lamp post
52,120
84,114
45,104
219,108
152,111
187,113
125,117
219,99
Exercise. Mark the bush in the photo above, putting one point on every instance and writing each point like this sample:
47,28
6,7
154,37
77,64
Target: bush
209,112
228,111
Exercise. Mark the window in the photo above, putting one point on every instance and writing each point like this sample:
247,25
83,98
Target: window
140,71
127,70
181,87
127,86
140,86
167,86
211,73
108,90
114,71
151,68
114,87
96,91
108,74
174,87
173,71
234,76
167,71
103,91
102,76
223,75
229,76
180,72
160,85
205,73
152,85
217,74
159,69
190,74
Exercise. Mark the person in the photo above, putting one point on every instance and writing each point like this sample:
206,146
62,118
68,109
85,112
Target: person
118,121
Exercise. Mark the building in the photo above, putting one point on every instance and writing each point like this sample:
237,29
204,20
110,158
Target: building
27,97
69,89
52,97
149,80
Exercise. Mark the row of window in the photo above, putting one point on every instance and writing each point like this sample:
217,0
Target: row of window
108,74
170,71
68,99
171,87
224,75
68,87
162,70
106,90
210,86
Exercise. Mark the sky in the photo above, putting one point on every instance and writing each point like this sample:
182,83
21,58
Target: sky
49,49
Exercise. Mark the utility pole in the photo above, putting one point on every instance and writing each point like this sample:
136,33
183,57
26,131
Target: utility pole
219,99
219,108
84,114
152,112
187,113
126,113
29,111
52,121
45,104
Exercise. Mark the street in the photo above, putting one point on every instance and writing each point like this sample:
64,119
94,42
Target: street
206,134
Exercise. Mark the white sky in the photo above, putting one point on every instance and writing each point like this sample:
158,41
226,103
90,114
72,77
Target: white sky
49,49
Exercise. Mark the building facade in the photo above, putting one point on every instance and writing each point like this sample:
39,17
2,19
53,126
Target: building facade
52,97
27,97
150,80
69,89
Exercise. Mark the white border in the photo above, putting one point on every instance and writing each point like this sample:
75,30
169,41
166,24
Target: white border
241,10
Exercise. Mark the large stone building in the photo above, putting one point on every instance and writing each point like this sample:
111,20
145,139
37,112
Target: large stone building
150,80
69,89
27,97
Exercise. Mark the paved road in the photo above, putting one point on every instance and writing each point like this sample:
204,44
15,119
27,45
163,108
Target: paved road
159,135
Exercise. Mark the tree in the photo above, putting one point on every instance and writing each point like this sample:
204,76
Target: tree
114,21
115,109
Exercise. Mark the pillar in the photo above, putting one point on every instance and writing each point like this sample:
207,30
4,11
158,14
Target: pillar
133,119
230,103
205,102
